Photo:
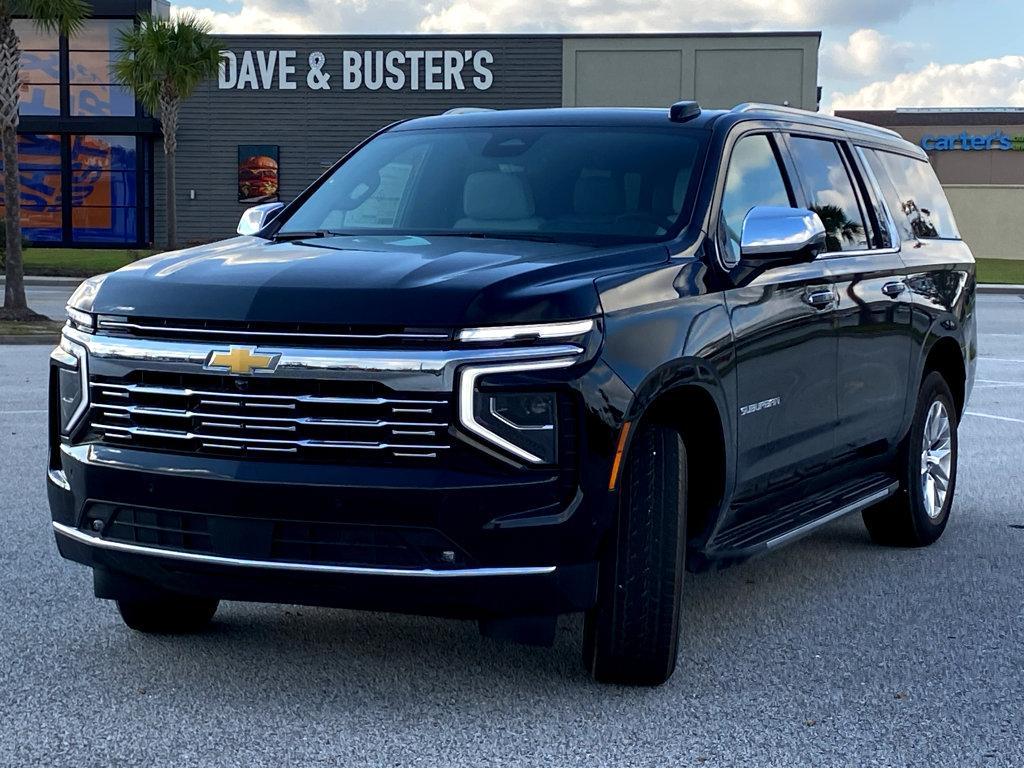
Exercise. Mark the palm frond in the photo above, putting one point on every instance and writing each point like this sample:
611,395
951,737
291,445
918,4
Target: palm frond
64,17
167,57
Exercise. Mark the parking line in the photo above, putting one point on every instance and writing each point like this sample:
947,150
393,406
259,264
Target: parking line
1001,360
31,411
993,416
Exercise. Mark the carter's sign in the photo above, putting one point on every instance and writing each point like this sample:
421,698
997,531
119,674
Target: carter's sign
438,70
969,142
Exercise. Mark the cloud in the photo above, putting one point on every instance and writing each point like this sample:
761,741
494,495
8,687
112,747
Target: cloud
985,83
866,54
398,16
284,17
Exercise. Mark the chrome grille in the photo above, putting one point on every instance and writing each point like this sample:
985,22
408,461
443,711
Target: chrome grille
217,415
252,332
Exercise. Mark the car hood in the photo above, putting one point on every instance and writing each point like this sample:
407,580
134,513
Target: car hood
369,280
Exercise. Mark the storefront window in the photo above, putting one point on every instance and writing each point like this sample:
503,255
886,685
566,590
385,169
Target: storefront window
41,194
91,55
104,189
40,70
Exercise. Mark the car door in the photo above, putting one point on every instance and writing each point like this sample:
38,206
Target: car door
873,314
782,321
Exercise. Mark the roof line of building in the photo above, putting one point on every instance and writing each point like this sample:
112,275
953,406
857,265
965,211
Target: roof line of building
944,117
525,35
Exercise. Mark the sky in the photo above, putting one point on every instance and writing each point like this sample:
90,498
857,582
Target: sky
875,54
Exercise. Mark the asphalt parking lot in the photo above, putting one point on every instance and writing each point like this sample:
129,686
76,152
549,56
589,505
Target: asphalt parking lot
833,651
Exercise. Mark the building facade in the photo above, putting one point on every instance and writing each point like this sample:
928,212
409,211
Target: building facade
85,145
978,155
285,108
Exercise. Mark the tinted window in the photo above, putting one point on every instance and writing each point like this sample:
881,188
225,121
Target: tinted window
571,183
93,51
830,192
39,76
914,196
753,179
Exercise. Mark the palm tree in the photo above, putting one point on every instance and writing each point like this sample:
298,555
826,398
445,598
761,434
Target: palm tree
63,17
164,61
838,227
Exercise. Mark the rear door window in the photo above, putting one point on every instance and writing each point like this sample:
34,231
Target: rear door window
830,192
753,179
914,196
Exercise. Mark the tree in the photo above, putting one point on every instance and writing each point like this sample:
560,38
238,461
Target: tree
63,17
164,61
838,227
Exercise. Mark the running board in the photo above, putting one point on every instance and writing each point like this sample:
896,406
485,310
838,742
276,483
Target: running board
786,525
853,507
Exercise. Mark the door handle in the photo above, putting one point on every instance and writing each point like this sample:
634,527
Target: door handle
820,298
894,288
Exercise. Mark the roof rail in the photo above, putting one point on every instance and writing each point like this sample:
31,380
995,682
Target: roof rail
839,122
466,110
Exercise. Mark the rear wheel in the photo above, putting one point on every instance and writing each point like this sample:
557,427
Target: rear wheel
168,615
631,636
917,514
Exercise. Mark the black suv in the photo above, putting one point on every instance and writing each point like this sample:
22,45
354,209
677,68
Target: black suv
508,365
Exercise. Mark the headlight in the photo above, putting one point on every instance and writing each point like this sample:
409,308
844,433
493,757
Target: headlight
82,321
529,332
525,420
80,305
525,424
72,384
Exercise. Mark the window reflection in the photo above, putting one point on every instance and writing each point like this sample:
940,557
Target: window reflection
831,192
100,35
103,189
914,196
39,74
40,183
91,56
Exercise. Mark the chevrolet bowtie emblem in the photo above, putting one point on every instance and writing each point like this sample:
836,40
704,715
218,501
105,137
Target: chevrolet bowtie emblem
241,360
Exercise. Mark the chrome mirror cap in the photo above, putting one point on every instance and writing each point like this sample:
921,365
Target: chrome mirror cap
770,231
256,218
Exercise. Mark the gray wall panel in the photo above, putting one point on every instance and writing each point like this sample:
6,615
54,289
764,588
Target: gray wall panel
314,128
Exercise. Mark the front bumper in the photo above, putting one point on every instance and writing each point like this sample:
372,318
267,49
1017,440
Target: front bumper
463,593
481,538
504,564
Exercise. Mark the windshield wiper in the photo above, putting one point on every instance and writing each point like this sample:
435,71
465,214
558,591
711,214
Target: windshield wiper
305,235
508,236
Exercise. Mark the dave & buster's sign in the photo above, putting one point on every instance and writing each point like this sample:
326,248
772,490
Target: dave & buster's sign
414,70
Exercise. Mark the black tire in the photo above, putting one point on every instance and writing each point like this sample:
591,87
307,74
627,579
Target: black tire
903,519
168,616
632,635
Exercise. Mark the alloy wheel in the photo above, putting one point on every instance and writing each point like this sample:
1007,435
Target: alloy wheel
936,459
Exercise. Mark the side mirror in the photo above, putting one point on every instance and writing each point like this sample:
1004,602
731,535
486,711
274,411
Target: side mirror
777,234
256,218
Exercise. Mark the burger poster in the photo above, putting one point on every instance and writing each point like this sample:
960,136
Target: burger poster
257,173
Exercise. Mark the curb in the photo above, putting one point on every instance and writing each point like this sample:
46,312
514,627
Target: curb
46,280
1000,288
48,339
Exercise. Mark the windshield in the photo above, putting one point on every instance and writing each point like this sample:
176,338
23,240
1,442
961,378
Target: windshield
558,183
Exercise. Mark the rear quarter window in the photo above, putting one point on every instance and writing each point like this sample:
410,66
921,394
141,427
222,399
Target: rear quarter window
914,196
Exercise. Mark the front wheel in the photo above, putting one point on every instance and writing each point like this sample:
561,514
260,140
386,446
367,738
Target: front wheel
917,515
631,636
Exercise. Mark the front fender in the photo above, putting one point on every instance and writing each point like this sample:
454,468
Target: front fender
665,329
